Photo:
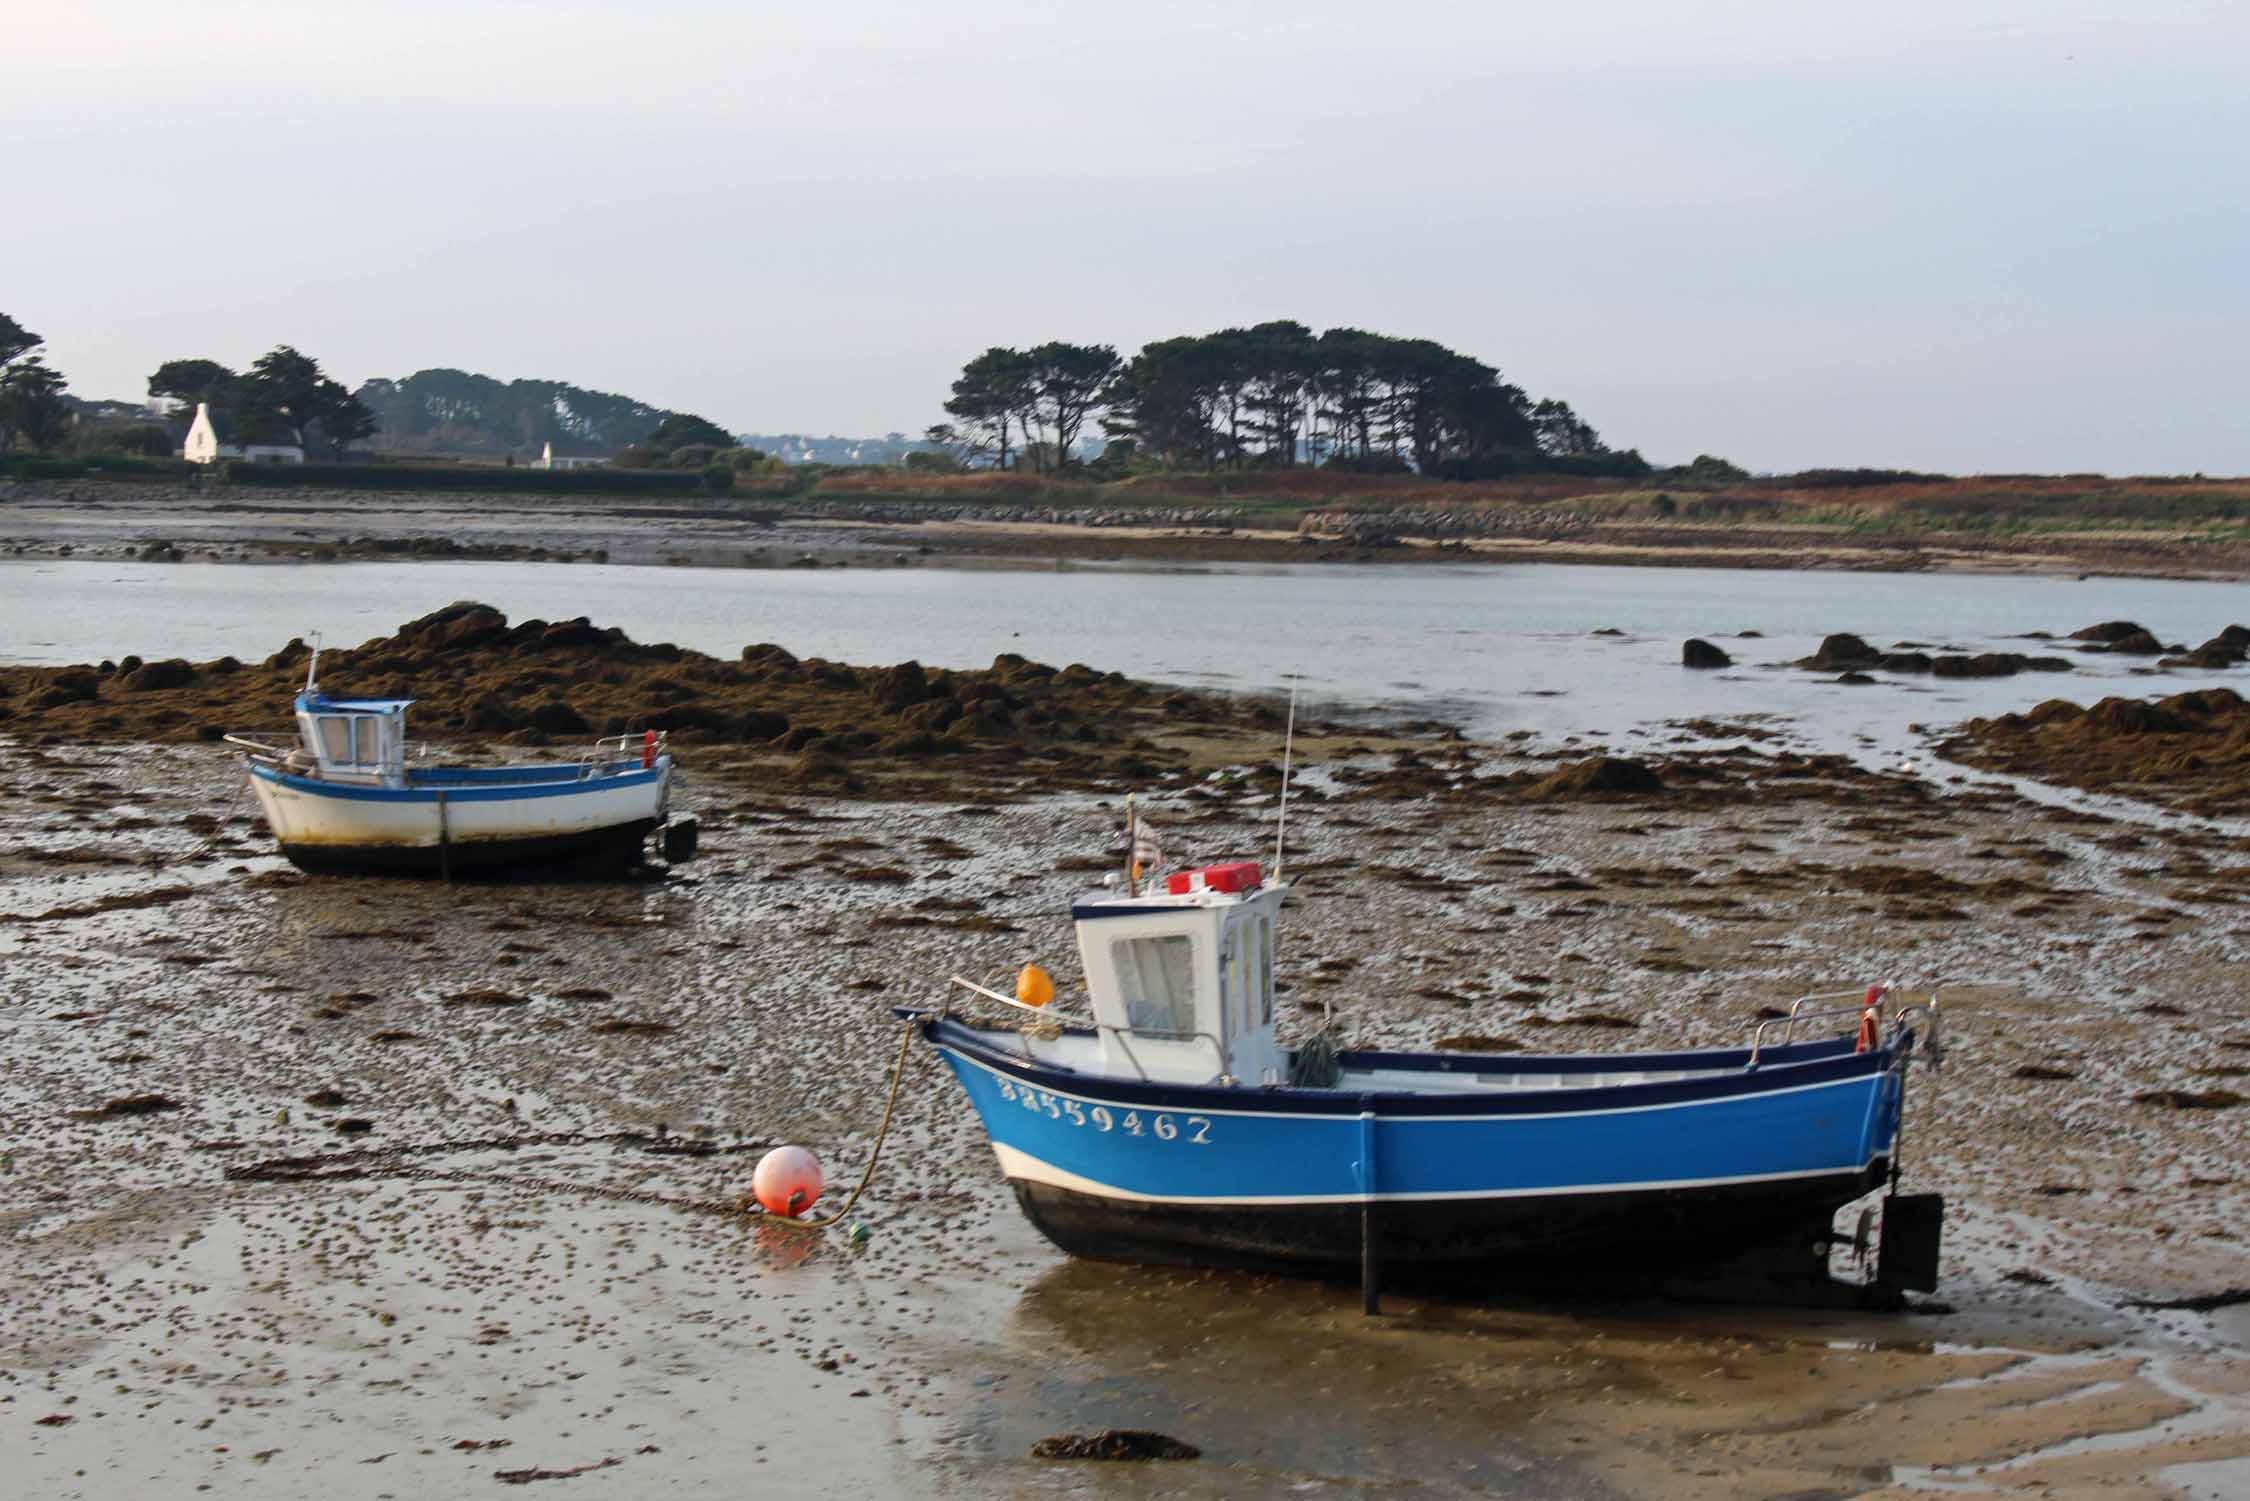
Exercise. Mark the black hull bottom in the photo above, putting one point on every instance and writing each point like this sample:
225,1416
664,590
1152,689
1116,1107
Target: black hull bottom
595,852
1752,1242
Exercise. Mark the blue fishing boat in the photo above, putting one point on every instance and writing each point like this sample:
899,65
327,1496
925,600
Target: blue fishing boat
349,797
1173,1126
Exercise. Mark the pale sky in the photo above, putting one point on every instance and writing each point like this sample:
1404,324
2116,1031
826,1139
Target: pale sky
1970,236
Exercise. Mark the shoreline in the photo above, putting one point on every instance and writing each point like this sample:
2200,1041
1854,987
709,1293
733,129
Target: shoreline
115,520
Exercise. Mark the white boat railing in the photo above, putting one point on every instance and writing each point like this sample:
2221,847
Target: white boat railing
611,749
1900,1011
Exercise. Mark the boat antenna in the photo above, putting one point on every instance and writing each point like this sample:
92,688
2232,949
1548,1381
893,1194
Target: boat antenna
312,663
1288,744
1132,851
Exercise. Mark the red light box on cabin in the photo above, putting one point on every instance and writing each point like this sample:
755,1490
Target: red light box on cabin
1241,875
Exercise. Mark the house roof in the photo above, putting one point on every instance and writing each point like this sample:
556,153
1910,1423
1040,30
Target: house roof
242,435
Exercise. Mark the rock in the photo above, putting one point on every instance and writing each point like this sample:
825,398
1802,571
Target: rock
1994,664
817,765
760,724
1696,652
1597,774
579,632
491,716
2211,654
1840,651
2130,716
1854,679
899,687
2108,632
463,623
2138,644
555,717
175,672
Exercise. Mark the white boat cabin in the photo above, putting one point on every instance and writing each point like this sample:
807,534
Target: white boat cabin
1182,978
360,740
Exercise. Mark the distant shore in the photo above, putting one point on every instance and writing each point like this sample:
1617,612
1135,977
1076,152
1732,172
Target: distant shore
92,518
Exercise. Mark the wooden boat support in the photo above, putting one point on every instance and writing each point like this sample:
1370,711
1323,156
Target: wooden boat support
1175,1128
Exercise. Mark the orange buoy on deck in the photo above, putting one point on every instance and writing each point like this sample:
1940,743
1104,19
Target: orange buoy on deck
787,1182
1034,986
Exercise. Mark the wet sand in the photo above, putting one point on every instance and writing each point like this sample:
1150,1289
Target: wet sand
492,1319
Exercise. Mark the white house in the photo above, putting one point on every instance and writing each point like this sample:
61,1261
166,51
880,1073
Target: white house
549,460
211,438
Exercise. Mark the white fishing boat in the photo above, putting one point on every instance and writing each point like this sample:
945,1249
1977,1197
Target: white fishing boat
349,797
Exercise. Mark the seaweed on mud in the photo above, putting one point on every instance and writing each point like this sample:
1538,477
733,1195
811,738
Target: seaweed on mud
478,677
120,902
2190,1099
1124,1444
125,1107
486,996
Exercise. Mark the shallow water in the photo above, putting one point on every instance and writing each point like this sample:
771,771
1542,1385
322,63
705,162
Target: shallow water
1496,649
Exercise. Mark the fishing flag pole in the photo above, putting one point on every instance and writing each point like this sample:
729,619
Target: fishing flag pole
1288,744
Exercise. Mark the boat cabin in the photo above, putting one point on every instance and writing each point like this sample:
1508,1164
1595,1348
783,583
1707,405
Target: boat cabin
351,739
1182,977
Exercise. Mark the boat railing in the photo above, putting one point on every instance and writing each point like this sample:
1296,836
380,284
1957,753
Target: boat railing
1157,1034
614,748
279,748
1858,1006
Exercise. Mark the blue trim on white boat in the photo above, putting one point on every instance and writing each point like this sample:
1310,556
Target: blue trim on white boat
321,703
503,792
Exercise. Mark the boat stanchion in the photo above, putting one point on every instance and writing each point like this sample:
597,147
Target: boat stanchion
444,842
1370,1265
1370,1255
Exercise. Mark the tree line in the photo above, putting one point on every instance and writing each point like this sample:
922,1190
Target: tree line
283,397
33,410
1273,396
459,411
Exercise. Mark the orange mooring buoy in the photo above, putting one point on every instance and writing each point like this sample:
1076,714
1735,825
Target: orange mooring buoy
788,1181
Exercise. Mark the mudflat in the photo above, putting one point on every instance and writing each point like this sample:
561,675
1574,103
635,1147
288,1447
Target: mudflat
990,524
533,1107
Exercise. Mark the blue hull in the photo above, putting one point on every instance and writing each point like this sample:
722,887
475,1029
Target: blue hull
1674,1172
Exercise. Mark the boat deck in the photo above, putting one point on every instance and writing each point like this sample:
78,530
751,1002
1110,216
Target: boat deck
1080,1050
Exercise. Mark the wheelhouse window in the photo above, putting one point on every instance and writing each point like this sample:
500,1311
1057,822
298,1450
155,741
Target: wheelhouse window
349,739
1157,976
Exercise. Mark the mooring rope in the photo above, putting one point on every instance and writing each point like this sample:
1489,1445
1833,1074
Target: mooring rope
392,1162
875,1155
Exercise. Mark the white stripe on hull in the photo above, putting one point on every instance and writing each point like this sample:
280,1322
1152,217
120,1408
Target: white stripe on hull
301,817
1016,1164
